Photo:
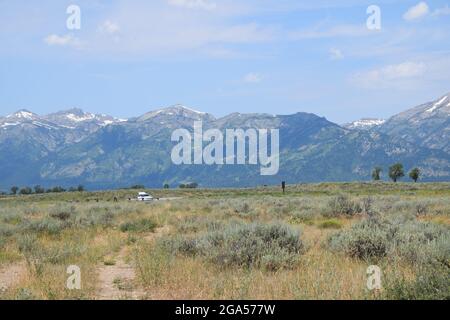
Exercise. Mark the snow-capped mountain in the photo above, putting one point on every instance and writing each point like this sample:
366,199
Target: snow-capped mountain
364,124
74,118
25,117
33,136
22,114
99,151
443,105
69,119
175,112
426,125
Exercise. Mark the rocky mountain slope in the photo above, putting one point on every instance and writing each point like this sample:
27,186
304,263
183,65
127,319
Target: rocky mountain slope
100,151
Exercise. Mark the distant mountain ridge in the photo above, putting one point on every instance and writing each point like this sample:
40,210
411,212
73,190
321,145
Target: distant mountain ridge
100,151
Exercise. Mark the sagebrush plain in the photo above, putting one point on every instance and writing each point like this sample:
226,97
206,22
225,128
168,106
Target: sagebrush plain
315,241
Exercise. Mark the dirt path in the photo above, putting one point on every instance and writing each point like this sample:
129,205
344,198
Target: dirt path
11,274
118,281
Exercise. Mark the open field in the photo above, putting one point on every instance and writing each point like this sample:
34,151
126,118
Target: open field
313,242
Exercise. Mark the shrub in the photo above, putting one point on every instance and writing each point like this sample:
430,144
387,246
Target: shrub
2,242
11,217
32,252
197,223
422,243
48,225
31,210
330,224
419,243
303,217
342,205
62,213
421,209
268,246
367,205
37,255
179,244
143,225
102,215
428,284
364,241
24,294
6,230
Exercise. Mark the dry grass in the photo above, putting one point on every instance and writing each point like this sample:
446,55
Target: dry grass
90,236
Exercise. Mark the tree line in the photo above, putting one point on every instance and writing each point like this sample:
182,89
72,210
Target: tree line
396,172
40,190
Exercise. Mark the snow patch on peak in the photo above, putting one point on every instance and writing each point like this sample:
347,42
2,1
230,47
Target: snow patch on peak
106,123
79,118
437,105
365,124
9,124
176,110
22,114
179,106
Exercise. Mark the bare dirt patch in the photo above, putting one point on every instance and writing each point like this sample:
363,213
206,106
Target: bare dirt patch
11,275
118,281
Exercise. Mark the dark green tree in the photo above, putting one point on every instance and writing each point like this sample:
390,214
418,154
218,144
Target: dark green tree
14,190
376,173
166,186
414,174
26,190
38,189
58,189
80,188
396,172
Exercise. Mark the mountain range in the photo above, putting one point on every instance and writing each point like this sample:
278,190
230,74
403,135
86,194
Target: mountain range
99,151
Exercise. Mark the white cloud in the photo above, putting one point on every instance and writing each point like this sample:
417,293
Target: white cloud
403,70
390,75
336,54
444,11
253,77
66,40
193,4
146,28
109,27
416,12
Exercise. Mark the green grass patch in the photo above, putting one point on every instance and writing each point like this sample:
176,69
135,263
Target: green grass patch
330,224
142,225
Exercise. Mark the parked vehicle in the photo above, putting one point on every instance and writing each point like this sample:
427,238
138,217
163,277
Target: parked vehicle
143,196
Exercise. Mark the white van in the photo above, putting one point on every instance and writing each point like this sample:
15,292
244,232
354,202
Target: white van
143,196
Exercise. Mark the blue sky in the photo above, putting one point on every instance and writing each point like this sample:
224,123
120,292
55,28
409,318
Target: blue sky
223,56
